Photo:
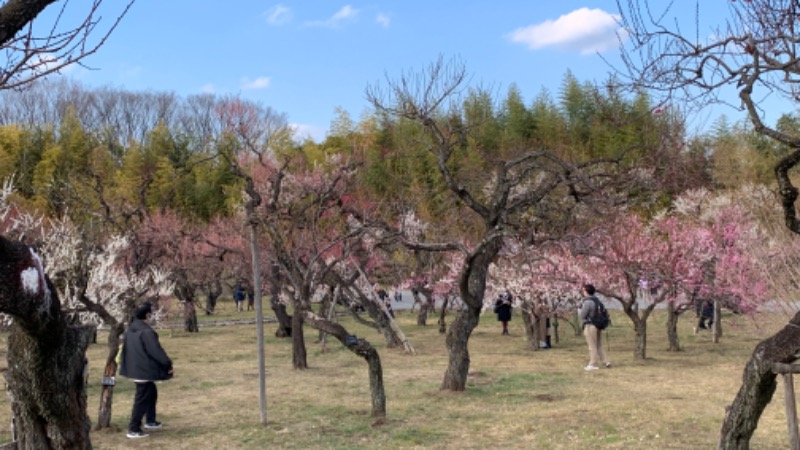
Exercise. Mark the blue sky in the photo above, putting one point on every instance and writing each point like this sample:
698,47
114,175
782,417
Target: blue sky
306,58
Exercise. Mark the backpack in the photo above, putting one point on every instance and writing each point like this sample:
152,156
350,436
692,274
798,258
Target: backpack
600,318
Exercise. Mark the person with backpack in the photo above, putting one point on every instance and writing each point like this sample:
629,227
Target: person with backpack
594,316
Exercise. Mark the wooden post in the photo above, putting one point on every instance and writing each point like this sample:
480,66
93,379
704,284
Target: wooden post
791,408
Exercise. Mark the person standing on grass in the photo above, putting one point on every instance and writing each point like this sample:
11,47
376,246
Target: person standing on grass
238,296
251,298
144,361
502,308
592,334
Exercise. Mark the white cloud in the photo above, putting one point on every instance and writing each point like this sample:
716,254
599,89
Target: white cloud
305,131
585,30
208,88
346,13
383,20
278,15
258,83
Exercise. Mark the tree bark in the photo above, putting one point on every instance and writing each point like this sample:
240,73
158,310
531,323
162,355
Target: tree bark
455,377
213,292
443,314
758,385
45,381
531,326
716,329
109,373
299,359
640,345
672,328
190,317
422,317
284,321
361,348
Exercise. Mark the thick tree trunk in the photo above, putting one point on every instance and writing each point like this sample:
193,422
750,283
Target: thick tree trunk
190,317
299,359
422,317
672,328
109,377
455,377
213,292
45,379
640,344
284,321
758,386
361,348
47,388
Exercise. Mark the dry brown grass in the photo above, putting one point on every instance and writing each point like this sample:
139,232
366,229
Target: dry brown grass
516,398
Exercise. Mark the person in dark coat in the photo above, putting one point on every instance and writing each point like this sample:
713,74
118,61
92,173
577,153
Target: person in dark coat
144,361
238,296
705,312
502,308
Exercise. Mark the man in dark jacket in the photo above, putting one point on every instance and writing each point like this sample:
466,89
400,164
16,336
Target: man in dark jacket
144,361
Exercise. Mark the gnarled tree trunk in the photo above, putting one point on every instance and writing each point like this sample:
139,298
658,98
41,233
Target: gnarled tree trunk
284,321
758,384
457,340
361,348
45,381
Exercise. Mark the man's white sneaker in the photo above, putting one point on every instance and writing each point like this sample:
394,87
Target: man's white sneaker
608,365
590,367
137,434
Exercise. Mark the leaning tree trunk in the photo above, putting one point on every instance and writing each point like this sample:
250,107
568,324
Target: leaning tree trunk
299,360
362,348
109,377
758,385
672,328
45,381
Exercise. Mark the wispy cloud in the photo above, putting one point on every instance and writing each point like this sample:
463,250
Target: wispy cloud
259,83
584,30
208,88
343,15
383,20
278,15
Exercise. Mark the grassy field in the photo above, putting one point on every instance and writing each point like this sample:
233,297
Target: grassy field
516,399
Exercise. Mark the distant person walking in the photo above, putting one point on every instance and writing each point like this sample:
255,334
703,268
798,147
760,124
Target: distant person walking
594,339
144,361
502,307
